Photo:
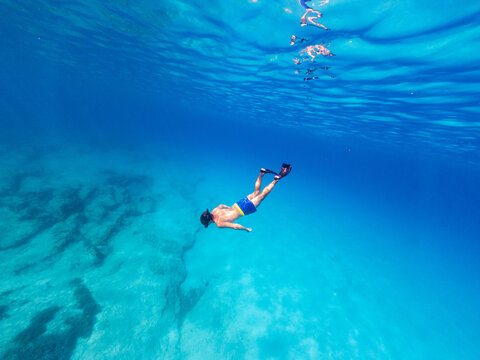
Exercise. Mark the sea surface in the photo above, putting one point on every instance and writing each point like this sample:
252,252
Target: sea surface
122,121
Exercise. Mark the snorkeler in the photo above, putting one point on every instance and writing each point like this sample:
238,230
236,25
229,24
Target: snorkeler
309,10
224,216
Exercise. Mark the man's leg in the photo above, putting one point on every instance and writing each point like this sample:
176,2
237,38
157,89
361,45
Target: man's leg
258,185
259,198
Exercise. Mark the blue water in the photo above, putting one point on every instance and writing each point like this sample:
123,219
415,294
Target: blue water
122,121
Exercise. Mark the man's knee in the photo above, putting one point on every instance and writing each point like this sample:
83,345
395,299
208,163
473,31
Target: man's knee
266,191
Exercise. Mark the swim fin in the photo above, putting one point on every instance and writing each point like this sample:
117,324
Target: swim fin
266,171
286,168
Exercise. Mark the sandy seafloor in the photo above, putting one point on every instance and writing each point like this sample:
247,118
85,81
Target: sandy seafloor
103,257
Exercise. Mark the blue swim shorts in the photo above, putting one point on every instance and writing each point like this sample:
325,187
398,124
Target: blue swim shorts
245,206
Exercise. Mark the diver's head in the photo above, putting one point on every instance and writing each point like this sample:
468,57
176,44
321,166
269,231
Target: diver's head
206,218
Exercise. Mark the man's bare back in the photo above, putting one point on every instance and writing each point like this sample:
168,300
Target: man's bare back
224,216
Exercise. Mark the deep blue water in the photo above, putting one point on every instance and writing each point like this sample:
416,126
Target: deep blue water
122,121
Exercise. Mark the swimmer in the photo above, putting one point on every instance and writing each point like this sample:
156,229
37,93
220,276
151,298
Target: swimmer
311,19
224,216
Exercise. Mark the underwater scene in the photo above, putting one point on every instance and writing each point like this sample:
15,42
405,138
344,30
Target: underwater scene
246,179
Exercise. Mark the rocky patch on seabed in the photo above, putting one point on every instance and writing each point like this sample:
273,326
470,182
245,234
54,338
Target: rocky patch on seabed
80,256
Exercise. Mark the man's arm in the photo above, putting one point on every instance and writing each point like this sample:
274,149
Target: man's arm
233,226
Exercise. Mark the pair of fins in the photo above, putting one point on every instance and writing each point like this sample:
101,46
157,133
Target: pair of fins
284,171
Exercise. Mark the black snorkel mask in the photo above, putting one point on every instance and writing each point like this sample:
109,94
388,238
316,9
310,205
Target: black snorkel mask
206,218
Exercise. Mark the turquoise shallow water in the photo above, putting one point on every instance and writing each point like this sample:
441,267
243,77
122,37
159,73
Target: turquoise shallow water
121,122
104,256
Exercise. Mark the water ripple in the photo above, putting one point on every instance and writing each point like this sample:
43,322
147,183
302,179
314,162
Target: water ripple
403,71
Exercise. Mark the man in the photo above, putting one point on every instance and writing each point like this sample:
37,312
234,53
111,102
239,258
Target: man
224,216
